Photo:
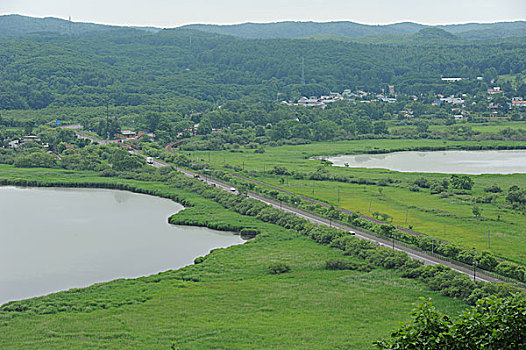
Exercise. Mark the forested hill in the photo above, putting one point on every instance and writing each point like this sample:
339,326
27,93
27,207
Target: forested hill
15,25
294,30
132,67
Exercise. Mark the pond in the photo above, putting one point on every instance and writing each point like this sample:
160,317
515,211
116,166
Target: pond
449,162
55,239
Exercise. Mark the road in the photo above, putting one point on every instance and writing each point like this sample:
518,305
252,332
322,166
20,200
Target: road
427,259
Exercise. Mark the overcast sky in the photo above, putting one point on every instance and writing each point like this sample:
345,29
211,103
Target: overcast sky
173,13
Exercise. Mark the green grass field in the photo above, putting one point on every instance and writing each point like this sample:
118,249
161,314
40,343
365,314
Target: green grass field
488,127
229,301
425,213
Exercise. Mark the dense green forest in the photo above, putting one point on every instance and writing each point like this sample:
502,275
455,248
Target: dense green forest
126,67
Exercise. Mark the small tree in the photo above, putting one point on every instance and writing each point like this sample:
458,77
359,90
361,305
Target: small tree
461,182
476,211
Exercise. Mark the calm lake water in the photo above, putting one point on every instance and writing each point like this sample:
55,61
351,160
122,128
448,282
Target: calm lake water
449,162
54,239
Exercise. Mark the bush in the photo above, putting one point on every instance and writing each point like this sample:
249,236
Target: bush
199,259
277,268
342,264
422,182
493,189
247,233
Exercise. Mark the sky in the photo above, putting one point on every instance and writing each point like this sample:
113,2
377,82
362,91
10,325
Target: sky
173,13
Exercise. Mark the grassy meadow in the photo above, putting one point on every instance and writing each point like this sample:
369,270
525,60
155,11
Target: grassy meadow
229,301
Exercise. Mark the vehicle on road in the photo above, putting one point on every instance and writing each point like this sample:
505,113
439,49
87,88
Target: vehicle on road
149,160
233,189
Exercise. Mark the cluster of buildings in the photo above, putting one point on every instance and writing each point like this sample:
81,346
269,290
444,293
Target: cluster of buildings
26,139
347,94
321,101
132,135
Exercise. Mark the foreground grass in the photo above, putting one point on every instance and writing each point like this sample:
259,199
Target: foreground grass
229,301
425,213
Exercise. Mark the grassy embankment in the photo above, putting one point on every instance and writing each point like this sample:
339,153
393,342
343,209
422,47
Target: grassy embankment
228,301
425,213
488,127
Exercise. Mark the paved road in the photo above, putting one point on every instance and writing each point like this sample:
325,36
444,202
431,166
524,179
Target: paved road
427,259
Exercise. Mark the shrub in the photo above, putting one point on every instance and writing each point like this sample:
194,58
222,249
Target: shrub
493,189
343,264
338,264
277,268
422,182
199,259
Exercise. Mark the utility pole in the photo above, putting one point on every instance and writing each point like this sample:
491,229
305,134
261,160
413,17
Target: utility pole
338,195
313,188
243,165
208,156
474,270
432,246
370,203
393,236
406,212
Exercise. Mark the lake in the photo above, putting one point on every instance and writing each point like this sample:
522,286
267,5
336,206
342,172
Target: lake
55,239
449,162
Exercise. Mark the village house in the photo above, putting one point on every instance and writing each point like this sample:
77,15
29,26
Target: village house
494,90
31,138
453,100
126,134
13,144
460,117
518,103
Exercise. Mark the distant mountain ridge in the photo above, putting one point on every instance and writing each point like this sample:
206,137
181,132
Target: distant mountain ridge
294,30
16,25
